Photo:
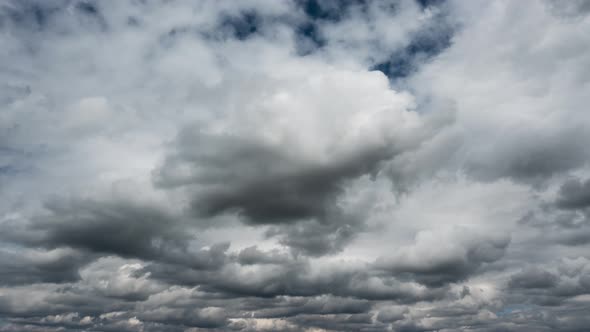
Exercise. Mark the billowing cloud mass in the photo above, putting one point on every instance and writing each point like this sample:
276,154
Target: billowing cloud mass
294,165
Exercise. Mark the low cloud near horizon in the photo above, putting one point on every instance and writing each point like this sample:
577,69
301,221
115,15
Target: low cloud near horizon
294,165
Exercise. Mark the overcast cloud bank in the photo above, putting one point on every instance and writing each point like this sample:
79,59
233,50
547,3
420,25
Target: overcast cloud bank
294,165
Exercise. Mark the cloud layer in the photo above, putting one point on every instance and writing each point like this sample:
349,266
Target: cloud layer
294,165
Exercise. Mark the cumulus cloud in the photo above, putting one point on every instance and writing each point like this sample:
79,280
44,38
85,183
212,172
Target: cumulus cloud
296,165
448,255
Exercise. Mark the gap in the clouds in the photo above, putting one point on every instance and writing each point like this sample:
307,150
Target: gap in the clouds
245,25
308,35
241,26
309,38
336,10
426,43
87,8
428,3
248,24
406,61
424,46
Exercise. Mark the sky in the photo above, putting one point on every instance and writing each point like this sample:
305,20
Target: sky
294,165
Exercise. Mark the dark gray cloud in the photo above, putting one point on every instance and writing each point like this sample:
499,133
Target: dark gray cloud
532,156
564,219
574,8
533,278
574,194
57,266
459,253
296,278
265,186
260,182
87,229
111,227
252,255
549,285
322,305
